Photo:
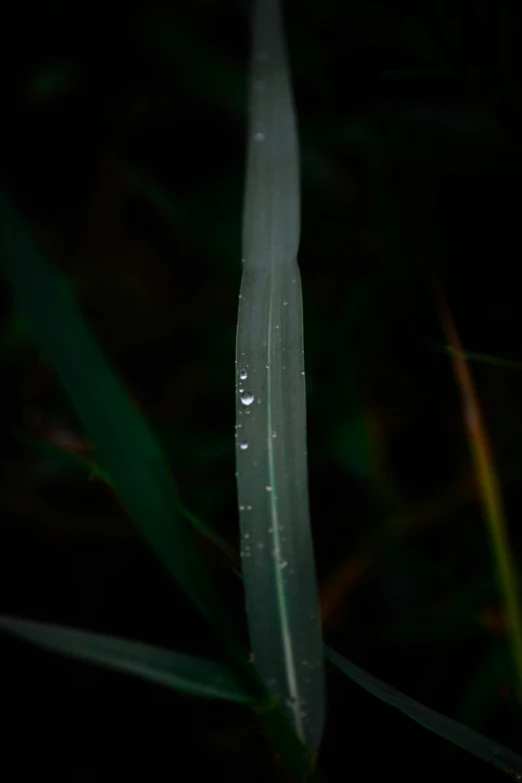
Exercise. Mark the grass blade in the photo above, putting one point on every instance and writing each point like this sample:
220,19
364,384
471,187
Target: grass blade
183,673
488,482
126,449
278,562
466,738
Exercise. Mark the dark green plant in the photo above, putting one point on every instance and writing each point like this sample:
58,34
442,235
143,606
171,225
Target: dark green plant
285,686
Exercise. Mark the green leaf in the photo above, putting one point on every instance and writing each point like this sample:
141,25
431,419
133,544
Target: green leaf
449,729
276,542
126,448
183,673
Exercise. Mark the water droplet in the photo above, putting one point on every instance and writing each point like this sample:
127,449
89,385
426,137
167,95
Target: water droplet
258,401
243,445
243,375
283,564
285,303
241,508
274,434
249,508
259,136
268,488
247,535
247,398
260,545
241,389
251,658
303,372
267,366
277,327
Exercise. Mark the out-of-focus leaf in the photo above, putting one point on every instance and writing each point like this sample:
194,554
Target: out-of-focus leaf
126,449
183,673
449,729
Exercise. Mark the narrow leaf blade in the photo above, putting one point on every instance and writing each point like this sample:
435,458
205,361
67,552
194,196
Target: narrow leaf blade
449,729
183,673
126,448
277,549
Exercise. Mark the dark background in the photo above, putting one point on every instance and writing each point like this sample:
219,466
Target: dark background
124,148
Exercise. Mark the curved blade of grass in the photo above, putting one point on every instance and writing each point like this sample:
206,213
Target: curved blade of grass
466,738
278,563
126,448
488,482
183,673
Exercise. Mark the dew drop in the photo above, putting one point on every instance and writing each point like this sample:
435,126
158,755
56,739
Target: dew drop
249,508
247,398
285,303
259,136
260,545
283,564
243,445
243,375
274,434
268,488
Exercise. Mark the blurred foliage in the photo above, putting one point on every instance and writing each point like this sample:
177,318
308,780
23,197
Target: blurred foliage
124,148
